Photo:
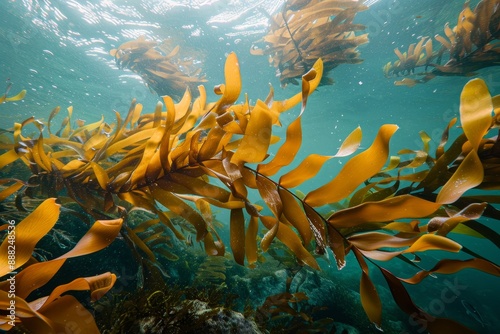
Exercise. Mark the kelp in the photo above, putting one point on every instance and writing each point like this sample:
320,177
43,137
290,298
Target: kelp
470,46
185,158
303,31
51,313
163,67
19,96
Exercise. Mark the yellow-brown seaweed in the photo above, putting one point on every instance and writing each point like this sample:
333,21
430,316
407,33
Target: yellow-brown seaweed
304,31
177,163
160,65
51,313
471,45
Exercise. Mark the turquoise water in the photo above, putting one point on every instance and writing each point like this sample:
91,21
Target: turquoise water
59,52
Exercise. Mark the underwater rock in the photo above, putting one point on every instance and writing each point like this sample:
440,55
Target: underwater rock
340,328
255,291
194,316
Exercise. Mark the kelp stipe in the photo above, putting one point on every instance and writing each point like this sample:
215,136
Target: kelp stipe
181,162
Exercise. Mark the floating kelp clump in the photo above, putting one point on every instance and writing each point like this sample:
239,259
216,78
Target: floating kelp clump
52,313
471,45
303,31
181,162
162,66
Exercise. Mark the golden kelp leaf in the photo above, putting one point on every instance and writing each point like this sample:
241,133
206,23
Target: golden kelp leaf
39,155
100,235
215,140
237,235
251,241
403,206
166,254
101,175
295,215
28,232
468,175
351,143
10,189
291,240
132,140
211,247
287,152
232,87
166,221
17,97
199,187
311,165
444,138
177,206
317,225
355,171
375,240
62,312
98,286
451,266
52,319
411,227
255,143
336,244
8,157
269,193
231,204
268,238
150,149
433,242
284,105
444,225
475,111
370,299
140,244
307,169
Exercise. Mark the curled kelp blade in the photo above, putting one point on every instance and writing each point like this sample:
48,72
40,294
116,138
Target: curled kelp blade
449,266
369,296
312,164
404,206
100,235
476,114
17,97
355,171
28,232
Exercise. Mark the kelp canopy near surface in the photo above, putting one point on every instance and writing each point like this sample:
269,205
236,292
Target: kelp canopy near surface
164,68
303,31
469,46
181,161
